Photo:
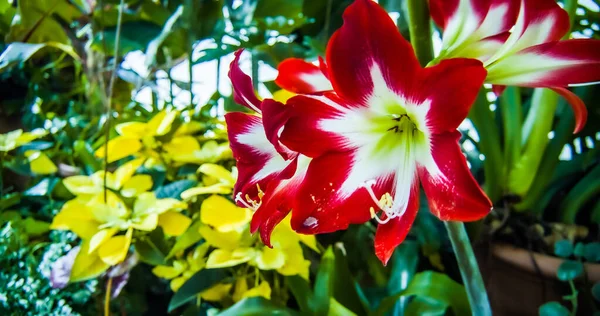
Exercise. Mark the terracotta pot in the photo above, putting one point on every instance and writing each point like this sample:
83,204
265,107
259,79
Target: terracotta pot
516,287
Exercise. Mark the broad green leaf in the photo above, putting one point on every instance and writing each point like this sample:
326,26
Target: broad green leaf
202,280
579,250
433,285
569,270
425,306
553,309
42,188
301,291
337,309
596,291
256,306
563,248
403,268
17,52
344,289
167,29
135,35
324,286
591,252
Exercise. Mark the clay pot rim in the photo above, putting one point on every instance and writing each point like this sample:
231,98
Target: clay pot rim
548,265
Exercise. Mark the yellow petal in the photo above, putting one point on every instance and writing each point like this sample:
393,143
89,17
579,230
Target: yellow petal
228,240
218,172
269,259
8,141
212,189
165,124
182,146
216,293
144,204
132,129
146,223
189,128
114,250
100,237
283,236
221,258
170,272
111,211
25,138
173,223
136,185
119,148
264,290
241,287
225,216
155,122
283,95
177,283
76,217
40,163
87,265
82,185
295,264
126,171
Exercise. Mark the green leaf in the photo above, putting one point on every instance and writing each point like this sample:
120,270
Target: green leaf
596,291
135,35
255,306
323,288
202,280
553,309
167,29
579,250
9,200
425,306
569,270
152,248
35,228
17,53
335,308
436,286
591,252
344,289
404,266
563,248
190,237
42,188
301,291
174,190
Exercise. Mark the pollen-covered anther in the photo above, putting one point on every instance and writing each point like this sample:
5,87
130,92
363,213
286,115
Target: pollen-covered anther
385,204
248,202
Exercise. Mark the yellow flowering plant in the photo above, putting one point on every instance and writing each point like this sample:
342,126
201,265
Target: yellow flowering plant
105,218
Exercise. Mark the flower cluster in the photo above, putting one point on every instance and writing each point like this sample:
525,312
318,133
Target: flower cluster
369,126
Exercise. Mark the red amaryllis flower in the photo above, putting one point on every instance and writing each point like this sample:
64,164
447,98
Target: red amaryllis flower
299,76
268,172
387,126
532,54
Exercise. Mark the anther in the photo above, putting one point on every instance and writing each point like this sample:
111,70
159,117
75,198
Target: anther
248,203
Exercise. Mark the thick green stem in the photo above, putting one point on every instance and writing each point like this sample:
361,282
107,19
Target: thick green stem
1,175
469,270
512,119
420,36
254,60
420,30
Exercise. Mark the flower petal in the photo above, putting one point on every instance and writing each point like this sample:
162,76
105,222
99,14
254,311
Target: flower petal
577,105
275,115
115,249
243,91
263,290
76,217
393,233
87,265
331,197
258,161
269,259
218,172
221,258
174,223
453,194
40,163
119,148
555,64
299,76
451,87
217,292
538,21
223,215
368,39
137,184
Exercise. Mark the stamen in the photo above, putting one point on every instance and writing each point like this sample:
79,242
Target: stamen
385,204
248,203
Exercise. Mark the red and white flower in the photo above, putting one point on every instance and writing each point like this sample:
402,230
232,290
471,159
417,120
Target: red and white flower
520,43
268,172
387,126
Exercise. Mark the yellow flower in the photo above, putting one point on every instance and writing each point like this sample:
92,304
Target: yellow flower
17,138
211,151
283,95
217,180
183,269
40,163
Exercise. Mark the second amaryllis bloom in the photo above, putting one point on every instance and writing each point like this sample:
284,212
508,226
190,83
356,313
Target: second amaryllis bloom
387,127
519,42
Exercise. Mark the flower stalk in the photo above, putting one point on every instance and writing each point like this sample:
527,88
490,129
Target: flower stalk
420,35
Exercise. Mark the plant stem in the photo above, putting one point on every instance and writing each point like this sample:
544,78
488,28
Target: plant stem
1,174
420,30
107,297
254,61
111,85
469,270
420,36
191,23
